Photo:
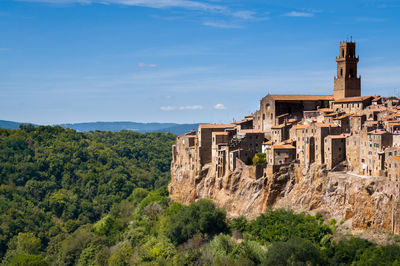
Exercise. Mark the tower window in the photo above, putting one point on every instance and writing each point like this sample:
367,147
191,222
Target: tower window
341,72
351,73
342,52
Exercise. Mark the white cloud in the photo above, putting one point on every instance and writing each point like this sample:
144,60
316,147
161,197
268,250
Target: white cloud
181,108
183,4
186,4
221,25
219,106
141,64
299,14
244,14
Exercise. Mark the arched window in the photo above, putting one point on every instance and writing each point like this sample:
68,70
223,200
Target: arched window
341,72
342,52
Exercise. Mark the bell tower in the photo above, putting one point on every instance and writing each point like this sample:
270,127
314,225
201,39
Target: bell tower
346,83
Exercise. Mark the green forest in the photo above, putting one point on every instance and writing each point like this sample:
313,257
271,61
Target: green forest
101,198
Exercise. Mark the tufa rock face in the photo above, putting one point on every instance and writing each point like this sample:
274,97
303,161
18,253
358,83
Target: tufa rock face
369,203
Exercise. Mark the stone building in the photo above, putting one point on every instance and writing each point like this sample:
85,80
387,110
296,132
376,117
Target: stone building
362,131
205,140
273,106
335,150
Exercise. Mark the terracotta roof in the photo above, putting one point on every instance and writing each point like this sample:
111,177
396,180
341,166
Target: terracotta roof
337,136
288,97
325,125
268,142
282,115
281,147
397,158
220,133
357,115
216,126
377,132
331,114
377,98
300,126
328,110
352,99
278,126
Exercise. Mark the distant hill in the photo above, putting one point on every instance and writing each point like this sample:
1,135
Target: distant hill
174,128
10,124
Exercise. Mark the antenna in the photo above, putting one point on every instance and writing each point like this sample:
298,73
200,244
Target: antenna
351,38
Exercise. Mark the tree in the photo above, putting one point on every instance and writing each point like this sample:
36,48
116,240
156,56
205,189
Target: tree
295,251
259,159
201,217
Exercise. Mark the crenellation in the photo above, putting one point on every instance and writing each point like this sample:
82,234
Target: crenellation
341,132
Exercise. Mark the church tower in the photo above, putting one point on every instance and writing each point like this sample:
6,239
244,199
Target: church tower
347,84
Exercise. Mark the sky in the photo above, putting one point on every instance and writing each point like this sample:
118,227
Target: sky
183,61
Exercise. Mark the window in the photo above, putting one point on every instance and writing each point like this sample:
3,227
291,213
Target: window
351,73
342,52
341,72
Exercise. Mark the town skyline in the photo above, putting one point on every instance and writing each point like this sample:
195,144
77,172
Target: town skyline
182,61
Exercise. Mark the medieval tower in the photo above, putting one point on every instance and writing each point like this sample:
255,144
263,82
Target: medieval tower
346,83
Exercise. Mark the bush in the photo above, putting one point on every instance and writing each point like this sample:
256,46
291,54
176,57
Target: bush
259,159
201,217
295,251
281,225
349,250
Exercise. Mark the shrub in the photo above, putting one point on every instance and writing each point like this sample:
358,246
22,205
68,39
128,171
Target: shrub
201,217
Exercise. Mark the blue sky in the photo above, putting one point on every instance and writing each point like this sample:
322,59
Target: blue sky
180,60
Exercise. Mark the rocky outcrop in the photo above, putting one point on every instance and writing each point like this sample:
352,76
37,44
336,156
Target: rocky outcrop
366,203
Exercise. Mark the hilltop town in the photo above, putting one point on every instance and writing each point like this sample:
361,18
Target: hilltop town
344,131
346,134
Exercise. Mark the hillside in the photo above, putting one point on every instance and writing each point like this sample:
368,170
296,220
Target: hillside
177,129
99,198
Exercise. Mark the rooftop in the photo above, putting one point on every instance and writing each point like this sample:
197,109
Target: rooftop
220,133
278,126
215,126
289,97
352,99
337,136
283,147
376,132
327,110
325,125
300,126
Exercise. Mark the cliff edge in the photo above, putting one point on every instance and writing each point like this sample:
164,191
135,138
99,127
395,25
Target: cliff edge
364,203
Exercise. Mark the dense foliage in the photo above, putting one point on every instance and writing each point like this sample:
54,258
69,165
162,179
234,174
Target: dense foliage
100,198
54,180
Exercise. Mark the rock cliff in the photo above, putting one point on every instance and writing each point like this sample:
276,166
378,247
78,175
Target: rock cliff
365,203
